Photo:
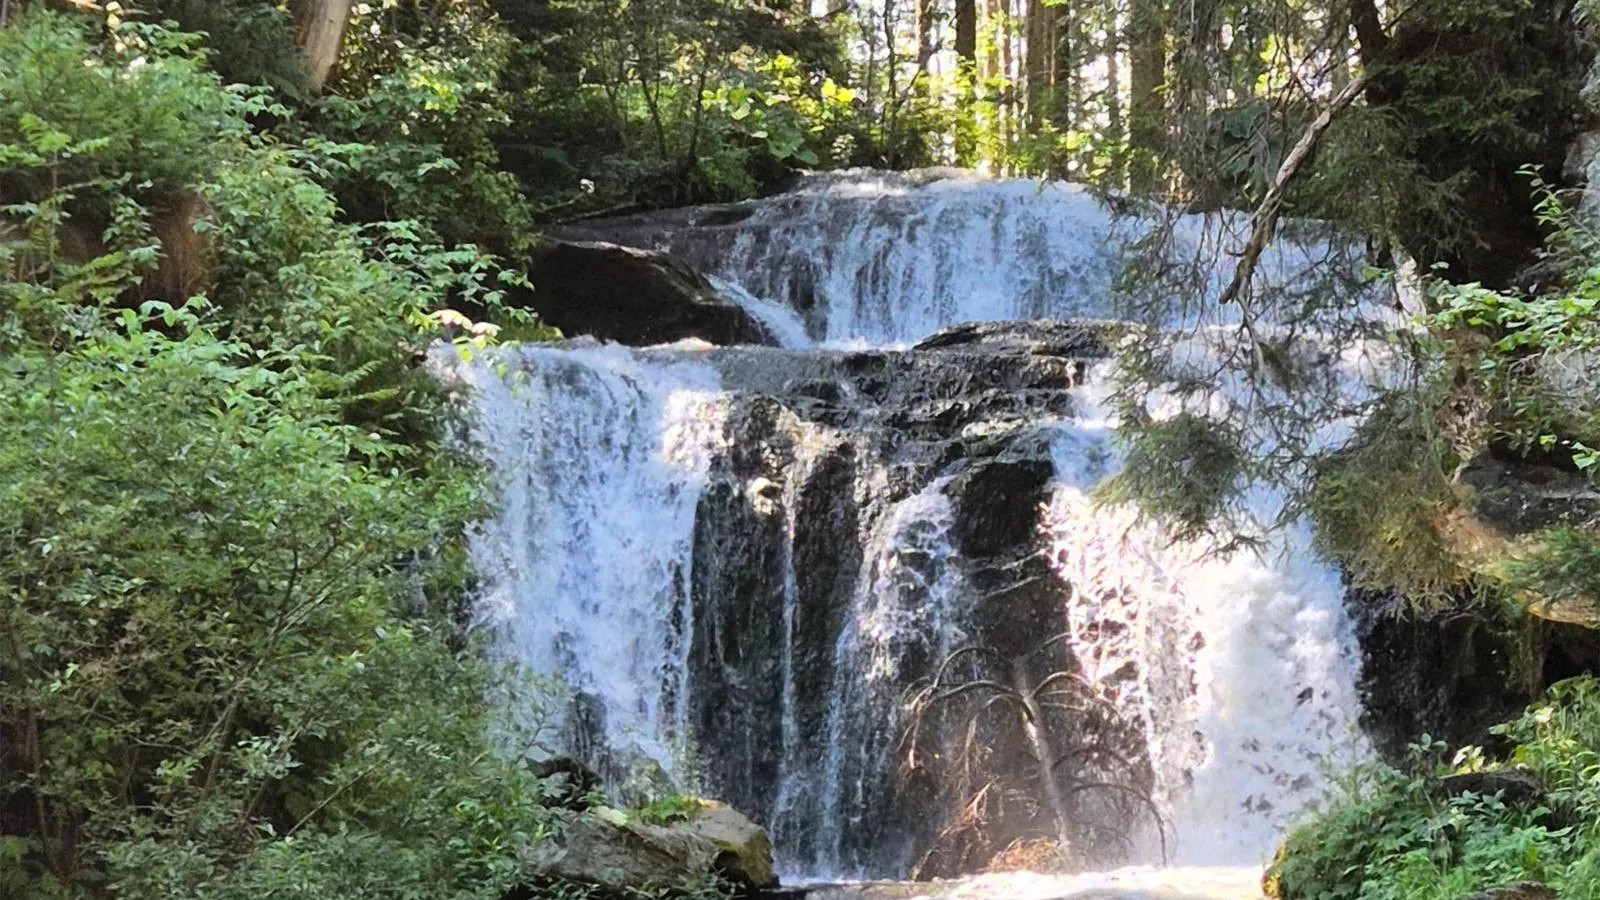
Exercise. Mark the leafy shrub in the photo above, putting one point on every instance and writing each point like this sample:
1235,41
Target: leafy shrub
231,541
1399,835
142,109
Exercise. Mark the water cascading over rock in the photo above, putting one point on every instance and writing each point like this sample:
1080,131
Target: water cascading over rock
858,591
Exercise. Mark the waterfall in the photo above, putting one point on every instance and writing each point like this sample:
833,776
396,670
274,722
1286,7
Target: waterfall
748,564
602,454
1249,663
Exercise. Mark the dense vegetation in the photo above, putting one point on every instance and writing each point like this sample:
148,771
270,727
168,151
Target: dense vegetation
1438,829
232,519
231,546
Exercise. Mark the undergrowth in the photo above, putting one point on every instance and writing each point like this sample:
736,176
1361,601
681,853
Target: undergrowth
1433,830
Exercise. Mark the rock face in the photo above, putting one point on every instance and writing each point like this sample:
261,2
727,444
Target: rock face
868,505
1455,674
1522,890
1516,498
606,849
631,296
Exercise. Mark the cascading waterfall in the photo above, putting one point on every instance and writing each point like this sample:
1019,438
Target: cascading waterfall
1249,661
747,560
900,615
602,454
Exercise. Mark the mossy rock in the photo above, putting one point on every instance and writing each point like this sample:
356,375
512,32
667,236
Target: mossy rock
610,850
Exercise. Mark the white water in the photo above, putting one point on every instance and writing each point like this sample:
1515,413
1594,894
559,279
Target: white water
779,319
1177,883
1247,664
886,259
906,600
601,454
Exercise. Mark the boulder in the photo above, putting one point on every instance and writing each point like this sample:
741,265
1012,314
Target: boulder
1516,498
610,850
1514,787
1522,890
631,296
568,783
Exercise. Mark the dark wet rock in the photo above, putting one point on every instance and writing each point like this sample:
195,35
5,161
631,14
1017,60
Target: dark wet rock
1516,498
632,296
1522,890
1514,787
568,783
1072,339
1454,674
1451,675
997,504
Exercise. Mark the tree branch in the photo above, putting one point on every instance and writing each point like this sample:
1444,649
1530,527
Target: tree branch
1266,215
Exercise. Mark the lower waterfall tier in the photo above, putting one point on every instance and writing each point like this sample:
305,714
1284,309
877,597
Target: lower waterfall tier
867,598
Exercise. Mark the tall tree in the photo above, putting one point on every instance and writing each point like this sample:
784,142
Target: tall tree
320,27
1147,109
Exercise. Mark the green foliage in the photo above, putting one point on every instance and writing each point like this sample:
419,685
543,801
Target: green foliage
1562,567
141,109
1398,835
620,103
667,810
1380,502
250,41
232,542
1180,470
1529,356
407,131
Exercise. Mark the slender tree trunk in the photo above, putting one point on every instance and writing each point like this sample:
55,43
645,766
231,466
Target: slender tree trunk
967,30
1008,99
1035,74
1115,129
1368,23
1147,110
966,15
1064,64
320,27
927,18
1038,730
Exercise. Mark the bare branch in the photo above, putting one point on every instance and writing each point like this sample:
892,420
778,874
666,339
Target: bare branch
1266,215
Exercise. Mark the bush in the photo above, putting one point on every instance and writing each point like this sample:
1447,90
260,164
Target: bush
231,538
1404,835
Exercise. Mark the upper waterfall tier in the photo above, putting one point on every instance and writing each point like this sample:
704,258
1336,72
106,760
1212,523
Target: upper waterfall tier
886,259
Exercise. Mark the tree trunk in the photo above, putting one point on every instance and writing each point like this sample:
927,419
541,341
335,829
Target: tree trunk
1035,73
966,15
1038,729
927,18
1064,102
1007,107
1116,176
1147,72
319,29
967,31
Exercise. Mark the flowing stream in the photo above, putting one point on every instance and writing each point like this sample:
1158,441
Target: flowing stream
749,564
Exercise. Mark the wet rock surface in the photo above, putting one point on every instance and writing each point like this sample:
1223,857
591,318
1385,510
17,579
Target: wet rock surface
1454,674
1516,498
606,849
631,296
833,457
